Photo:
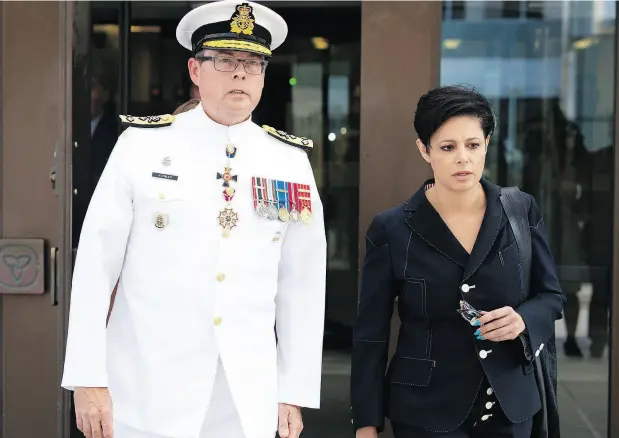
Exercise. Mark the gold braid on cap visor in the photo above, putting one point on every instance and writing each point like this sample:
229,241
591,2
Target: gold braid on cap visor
237,45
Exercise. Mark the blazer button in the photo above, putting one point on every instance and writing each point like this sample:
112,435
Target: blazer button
489,405
489,391
217,320
484,354
465,288
485,417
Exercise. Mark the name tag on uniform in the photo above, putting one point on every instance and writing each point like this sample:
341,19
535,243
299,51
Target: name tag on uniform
165,176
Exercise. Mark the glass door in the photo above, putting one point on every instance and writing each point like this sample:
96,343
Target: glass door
549,68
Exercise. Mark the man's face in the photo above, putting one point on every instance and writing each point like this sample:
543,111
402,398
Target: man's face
228,93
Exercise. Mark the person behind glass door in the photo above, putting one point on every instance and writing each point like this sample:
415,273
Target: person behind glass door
450,248
189,105
103,117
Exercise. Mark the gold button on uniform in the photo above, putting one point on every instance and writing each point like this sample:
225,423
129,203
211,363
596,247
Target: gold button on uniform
217,320
161,195
221,277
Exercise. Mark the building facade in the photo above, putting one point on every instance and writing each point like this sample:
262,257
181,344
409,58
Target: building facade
348,77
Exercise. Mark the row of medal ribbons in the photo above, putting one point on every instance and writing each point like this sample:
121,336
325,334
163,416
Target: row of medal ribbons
286,201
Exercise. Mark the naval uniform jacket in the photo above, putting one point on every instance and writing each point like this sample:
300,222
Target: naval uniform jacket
439,366
188,296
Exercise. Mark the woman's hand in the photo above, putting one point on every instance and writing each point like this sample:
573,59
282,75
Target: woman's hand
366,432
502,324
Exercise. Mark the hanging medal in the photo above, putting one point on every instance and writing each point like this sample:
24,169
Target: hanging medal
229,193
228,218
282,200
227,176
272,211
294,201
259,190
305,203
230,150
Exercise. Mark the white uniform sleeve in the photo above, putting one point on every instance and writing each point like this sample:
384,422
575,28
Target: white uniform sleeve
98,265
300,310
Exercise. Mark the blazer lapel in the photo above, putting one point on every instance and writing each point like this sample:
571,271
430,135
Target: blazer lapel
425,221
494,220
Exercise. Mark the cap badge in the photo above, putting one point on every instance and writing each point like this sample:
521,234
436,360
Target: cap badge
243,20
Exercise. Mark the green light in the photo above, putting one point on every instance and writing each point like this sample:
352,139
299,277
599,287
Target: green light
293,81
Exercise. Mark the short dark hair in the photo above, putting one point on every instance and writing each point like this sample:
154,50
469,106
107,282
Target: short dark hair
441,104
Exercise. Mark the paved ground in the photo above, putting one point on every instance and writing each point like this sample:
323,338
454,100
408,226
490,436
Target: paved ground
583,399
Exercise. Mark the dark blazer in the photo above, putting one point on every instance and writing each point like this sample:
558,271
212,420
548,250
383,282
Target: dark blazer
103,141
439,365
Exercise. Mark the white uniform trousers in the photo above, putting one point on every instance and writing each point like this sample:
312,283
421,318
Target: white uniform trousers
221,421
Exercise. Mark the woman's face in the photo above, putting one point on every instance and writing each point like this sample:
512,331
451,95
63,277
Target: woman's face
457,153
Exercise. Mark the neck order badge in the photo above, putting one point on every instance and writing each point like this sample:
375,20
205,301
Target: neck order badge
228,218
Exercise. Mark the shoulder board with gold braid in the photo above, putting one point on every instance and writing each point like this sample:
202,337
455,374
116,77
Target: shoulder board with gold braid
301,142
147,121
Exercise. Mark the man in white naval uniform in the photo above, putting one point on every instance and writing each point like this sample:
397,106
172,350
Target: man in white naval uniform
213,228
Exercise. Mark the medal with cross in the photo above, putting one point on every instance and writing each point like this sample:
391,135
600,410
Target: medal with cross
227,219
227,176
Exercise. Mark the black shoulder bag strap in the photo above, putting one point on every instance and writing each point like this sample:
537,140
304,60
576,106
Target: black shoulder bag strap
518,217
516,212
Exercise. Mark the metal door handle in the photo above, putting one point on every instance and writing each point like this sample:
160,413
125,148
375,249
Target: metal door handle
56,163
53,267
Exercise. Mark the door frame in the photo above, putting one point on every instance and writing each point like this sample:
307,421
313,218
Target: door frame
2,376
76,38
34,206
613,357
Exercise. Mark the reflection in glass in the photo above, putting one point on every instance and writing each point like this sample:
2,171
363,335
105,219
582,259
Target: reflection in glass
548,68
104,124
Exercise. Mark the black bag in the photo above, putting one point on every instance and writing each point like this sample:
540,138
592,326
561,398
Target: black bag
546,421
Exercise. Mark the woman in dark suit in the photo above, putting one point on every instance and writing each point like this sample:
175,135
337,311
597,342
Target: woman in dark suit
447,252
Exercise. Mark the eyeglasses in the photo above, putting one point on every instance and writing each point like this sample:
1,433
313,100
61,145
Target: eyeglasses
468,312
230,64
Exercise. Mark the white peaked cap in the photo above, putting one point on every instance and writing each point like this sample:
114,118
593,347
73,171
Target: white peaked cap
232,25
